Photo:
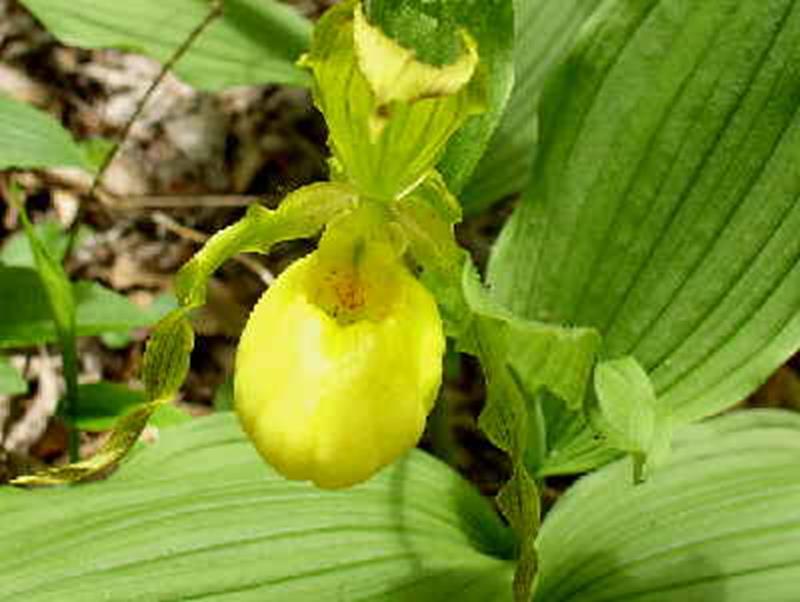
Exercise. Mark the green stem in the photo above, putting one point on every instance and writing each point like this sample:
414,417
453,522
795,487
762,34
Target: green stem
69,358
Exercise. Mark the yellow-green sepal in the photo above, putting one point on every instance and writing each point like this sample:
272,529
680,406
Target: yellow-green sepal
389,115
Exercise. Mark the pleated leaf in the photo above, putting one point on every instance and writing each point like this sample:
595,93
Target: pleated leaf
254,42
200,517
720,522
663,206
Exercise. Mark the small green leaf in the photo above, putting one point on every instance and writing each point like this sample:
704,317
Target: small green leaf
427,217
96,151
34,139
200,498
628,413
11,381
255,42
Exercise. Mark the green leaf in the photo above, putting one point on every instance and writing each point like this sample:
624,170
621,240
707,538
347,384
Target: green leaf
505,420
431,29
26,318
33,139
628,413
11,381
17,252
663,209
552,359
545,31
202,498
255,42
719,522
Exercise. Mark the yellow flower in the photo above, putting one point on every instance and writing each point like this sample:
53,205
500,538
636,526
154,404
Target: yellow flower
340,361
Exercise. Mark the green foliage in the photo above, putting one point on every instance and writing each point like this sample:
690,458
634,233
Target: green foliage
255,42
33,139
545,31
16,250
663,206
718,522
201,498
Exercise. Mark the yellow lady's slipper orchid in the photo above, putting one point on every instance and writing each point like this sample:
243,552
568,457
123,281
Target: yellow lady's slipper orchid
340,361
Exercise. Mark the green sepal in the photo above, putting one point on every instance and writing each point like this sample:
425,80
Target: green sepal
388,127
625,411
427,217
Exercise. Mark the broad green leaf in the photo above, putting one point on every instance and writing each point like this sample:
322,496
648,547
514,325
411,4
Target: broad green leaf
201,498
254,42
663,207
718,522
11,381
34,139
545,31
432,30
25,313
